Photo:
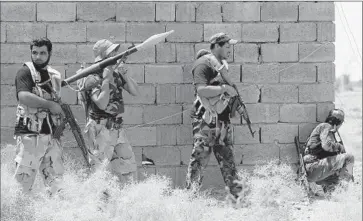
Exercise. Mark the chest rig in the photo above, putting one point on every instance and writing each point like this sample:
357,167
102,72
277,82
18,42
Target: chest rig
31,119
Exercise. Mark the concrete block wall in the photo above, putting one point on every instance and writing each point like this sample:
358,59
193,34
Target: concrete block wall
283,66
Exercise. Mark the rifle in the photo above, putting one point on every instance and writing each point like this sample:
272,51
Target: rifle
301,172
69,118
243,106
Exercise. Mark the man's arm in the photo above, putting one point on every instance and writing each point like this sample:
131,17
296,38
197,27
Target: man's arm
327,140
130,84
201,74
101,96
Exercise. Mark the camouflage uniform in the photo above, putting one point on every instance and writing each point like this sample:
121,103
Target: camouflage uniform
36,149
106,136
326,168
211,128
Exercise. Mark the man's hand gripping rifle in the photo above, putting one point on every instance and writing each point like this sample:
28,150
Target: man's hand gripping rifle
223,73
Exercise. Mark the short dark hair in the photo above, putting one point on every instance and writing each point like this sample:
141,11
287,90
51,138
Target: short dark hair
41,42
332,119
220,44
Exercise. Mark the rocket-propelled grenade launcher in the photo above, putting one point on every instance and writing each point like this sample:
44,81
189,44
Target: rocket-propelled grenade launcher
151,41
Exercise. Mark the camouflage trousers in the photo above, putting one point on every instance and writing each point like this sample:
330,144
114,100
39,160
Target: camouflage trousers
204,142
330,170
39,152
111,146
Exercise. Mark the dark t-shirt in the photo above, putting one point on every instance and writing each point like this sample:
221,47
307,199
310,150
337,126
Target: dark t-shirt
24,82
203,74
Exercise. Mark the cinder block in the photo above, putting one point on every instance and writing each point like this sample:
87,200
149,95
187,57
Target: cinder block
186,153
139,32
171,114
242,135
187,73
253,154
246,53
326,31
185,11
186,32
132,115
232,30
185,52
8,73
56,11
169,173
249,93
297,73
166,135
212,178
144,172
85,53
305,130
165,94
7,136
111,31
181,173
279,94
323,110
280,52
263,113
69,96
96,11
234,71
163,156
165,11
136,72
142,136
165,53
295,32
312,52
187,108
209,11
3,31
184,135
260,32
8,95
316,11
147,95
71,69
241,11
8,116
67,32
288,153
185,93
15,53
135,11
282,133
24,32
279,11
18,11
294,113
264,73
326,72
64,53
163,74
138,155
316,92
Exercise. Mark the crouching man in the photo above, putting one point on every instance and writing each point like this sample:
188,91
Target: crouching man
325,158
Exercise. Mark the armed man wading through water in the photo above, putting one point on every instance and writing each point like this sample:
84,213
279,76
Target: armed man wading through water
326,160
216,101
37,117
103,103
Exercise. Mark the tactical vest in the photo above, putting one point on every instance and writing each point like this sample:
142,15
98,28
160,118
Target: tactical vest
215,105
30,120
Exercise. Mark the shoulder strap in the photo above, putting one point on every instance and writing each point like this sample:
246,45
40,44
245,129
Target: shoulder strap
34,72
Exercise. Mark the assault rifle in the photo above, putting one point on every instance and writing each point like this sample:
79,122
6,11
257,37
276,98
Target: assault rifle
301,172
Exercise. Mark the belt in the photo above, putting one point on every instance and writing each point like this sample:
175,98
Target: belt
110,123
